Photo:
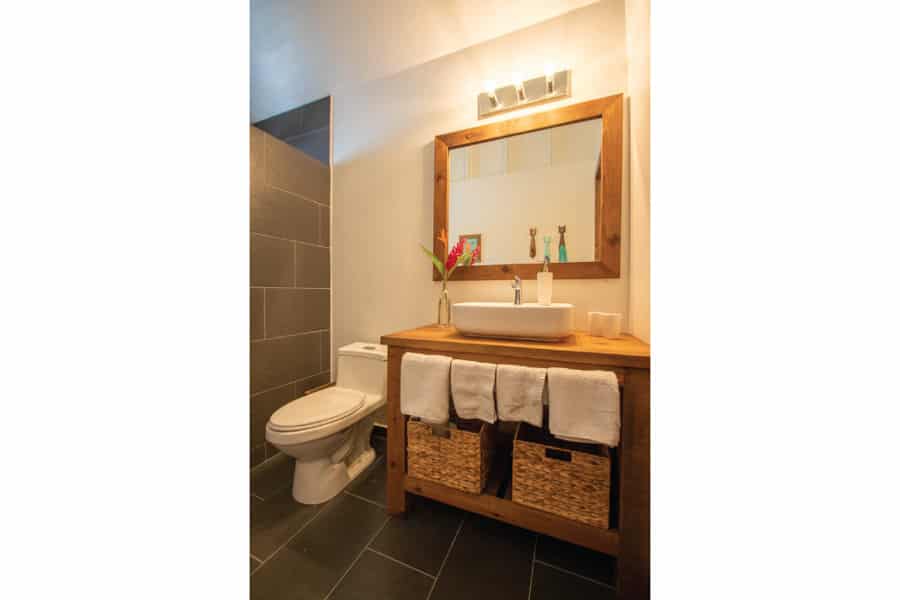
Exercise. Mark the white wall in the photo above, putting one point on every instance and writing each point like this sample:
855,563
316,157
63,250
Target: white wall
638,28
384,165
303,51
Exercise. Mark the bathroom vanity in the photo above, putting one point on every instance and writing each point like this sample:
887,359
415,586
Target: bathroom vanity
628,537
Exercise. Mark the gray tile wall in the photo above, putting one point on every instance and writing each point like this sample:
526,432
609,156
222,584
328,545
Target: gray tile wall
290,280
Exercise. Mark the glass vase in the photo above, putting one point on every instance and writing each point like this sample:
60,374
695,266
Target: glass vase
443,319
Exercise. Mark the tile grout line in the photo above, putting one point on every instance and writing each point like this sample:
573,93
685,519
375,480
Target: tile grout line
400,562
281,385
352,495
256,558
533,558
356,560
299,531
446,556
296,195
257,496
284,239
289,287
287,335
573,573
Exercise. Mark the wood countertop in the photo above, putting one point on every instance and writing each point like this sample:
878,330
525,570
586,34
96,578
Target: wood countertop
580,347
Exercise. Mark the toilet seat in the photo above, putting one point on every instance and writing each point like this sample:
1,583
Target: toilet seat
318,409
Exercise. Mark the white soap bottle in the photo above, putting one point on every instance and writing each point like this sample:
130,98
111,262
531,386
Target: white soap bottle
545,284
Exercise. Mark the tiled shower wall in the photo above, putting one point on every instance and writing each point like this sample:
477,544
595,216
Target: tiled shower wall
290,282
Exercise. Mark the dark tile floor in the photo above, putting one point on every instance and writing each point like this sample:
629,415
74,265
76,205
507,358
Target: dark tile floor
349,548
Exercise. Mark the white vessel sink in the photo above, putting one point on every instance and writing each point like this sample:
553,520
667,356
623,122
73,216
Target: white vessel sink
529,320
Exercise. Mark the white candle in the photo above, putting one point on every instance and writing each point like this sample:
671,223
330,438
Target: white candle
608,325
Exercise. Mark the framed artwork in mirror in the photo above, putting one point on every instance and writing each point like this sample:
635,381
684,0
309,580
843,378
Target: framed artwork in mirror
471,241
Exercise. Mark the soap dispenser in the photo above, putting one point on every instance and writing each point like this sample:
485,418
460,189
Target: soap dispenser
545,284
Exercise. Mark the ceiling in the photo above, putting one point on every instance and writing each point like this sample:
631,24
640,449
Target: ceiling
301,51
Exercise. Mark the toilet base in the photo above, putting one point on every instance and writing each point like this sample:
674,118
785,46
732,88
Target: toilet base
320,480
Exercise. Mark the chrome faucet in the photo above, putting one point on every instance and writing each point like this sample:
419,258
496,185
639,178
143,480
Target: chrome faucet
517,286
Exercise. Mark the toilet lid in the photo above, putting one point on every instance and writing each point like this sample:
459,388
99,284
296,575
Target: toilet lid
319,408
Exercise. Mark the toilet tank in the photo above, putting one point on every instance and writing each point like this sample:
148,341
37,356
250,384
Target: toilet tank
363,366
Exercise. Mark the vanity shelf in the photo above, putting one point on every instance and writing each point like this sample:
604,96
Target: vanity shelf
628,357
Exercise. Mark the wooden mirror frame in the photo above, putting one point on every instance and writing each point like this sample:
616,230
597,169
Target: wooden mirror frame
608,185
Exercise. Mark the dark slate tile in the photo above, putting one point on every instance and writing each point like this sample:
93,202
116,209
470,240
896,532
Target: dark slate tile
253,563
262,406
577,559
293,171
375,577
274,521
290,311
271,261
272,476
371,483
285,215
552,584
279,361
489,560
312,266
423,537
257,318
310,565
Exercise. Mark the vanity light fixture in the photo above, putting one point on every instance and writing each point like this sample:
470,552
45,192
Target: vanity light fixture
544,88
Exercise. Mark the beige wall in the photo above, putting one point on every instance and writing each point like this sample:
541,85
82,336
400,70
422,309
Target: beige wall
638,28
290,280
383,170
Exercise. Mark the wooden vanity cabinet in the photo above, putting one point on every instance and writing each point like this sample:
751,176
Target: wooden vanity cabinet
628,357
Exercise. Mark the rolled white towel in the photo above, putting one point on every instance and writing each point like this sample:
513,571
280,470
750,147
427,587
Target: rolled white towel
472,389
584,405
425,387
519,394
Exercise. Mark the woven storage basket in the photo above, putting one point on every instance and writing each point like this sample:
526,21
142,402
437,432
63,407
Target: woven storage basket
459,461
564,478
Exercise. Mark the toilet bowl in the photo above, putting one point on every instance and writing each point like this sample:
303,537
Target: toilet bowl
327,432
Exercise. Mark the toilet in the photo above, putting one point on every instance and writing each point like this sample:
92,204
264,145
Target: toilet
328,431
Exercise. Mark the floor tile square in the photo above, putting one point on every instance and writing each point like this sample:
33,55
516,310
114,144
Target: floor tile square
371,483
274,521
577,559
489,560
272,476
552,584
423,537
375,577
310,565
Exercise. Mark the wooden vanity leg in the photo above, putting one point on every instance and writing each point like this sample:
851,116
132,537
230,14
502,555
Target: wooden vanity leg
396,437
634,505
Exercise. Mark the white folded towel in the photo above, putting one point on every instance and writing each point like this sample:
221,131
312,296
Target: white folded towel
584,405
519,394
472,389
425,387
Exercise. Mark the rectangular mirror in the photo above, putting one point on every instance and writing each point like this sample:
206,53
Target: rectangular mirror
516,188
503,191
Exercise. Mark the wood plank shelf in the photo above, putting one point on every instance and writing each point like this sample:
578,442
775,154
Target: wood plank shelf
602,540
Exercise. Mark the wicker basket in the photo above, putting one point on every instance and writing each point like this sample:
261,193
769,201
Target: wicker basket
564,478
460,460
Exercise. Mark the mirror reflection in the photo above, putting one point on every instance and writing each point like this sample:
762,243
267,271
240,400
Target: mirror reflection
526,195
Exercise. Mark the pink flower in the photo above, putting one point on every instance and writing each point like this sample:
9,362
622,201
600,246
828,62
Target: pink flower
455,252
